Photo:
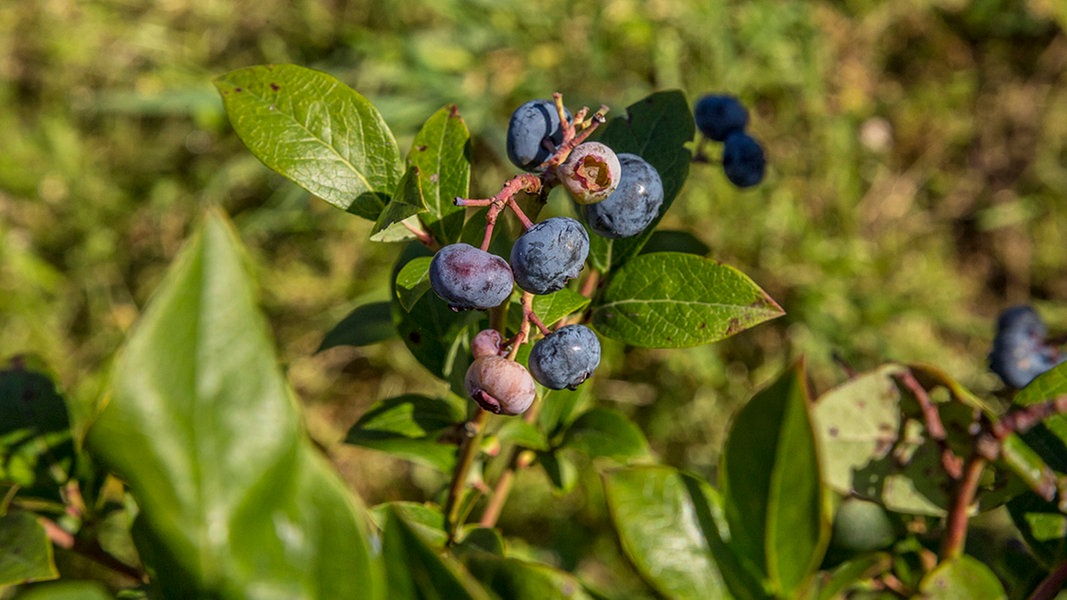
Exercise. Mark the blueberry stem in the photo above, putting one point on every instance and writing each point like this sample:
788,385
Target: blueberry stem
518,458
468,450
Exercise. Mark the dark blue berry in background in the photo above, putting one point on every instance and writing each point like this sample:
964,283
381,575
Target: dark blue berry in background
1020,352
565,358
470,278
549,254
719,115
632,206
743,160
534,133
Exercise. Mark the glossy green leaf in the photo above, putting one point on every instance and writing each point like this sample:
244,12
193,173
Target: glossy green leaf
416,570
559,408
36,446
1048,438
523,580
413,281
25,550
656,128
664,520
676,300
234,499
316,131
365,325
961,578
602,432
518,431
441,151
426,518
550,308
409,426
1042,525
560,470
773,496
392,224
669,240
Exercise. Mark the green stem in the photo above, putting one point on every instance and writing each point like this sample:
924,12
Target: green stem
471,443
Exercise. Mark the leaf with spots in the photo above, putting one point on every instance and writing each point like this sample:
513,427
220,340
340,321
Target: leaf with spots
317,132
676,300
441,151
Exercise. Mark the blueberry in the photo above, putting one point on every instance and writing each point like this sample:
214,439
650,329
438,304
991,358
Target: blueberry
743,160
632,206
488,342
549,254
566,357
590,173
1020,352
500,385
719,115
467,277
534,133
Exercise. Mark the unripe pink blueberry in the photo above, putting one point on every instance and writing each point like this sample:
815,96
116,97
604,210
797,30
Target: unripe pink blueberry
500,385
590,173
488,342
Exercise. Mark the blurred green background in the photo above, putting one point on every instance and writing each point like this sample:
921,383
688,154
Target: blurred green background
916,182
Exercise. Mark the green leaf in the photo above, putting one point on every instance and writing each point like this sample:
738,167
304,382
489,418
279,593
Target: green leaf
234,499
560,470
857,571
664,519
518,431
676,300
409,426
406,203
316,131
26,553
550,308
656,128
426,518
413,281
1050,436
1043,527
441,151
559,408
773,495
961,578
36,446
668,240
602,432
519,579
415,570
365,325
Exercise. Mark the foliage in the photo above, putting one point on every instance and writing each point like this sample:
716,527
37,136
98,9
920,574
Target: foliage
880,187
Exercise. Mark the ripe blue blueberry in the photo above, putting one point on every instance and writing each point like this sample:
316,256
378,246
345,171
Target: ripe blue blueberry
500,385
470,278
632,206
534,133
743,160
549,254
1020,352
719,115
591,173
566,357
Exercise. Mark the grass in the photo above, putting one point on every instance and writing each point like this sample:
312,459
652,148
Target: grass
916,178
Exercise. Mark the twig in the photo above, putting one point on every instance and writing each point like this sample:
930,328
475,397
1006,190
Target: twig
1051,584
474,429
952,464
956,521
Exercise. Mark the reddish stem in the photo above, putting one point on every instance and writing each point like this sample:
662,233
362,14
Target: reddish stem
1052,584
956,521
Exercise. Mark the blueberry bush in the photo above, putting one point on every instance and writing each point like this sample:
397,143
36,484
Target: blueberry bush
867,488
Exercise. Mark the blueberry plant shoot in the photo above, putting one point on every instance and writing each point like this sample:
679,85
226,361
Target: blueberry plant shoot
516,305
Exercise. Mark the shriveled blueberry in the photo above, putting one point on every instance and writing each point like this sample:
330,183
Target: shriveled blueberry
632,206
566,357
549,254
487,342
470,278
500,385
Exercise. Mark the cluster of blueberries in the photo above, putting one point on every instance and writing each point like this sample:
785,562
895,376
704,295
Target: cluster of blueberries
722,118
1021,349
617,195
